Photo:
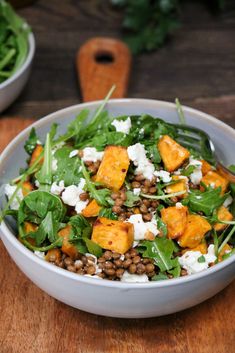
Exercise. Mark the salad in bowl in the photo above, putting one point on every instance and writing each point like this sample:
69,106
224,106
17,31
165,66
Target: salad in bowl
122,198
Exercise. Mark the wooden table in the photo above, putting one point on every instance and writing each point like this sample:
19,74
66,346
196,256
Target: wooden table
198,66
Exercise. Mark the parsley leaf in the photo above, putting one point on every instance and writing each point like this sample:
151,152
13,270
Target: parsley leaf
131,199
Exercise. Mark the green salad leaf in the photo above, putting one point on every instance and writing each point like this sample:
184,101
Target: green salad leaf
31,142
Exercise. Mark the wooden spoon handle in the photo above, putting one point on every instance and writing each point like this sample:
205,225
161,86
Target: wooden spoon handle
101,63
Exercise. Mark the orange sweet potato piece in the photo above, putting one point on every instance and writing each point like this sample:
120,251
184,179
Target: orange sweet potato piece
175,218
92,209
53,255
172,154
68,248
113,168
30,227
206,167
225,249
26,188
195,230
113,235
202,247
181,185
215,179
223,214
36,153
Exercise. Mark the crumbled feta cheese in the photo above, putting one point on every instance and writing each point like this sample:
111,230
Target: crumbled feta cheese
142,130
37,184
136,191
196,175
94,263
122,125
189,260
9,190
73,153
92,155
137,155
141,227
57,147
164,175
56,189
178,205
80,205
122,257
127,277
40,254
71,196
94,276
228,201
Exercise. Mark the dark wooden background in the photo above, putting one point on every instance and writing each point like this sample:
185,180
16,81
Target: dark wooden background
198,66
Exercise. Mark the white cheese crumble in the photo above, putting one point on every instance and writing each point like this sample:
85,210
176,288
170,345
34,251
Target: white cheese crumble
196,175
137,155
56,189
90,154
37,184
9,190
189,261
71,196
127,277
141,227
164,175
122,125
136,191
228,201
178,205
40,254
73,153
94,263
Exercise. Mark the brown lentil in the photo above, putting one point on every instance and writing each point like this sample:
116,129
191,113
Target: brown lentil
140,268
91,270
71,268
135,184
119,202
139,177
84,196
110,271
114,195
145,190
119,272
153,190
136,259
117,209
132,268
107,255
127,263
149,268
147,217
143,209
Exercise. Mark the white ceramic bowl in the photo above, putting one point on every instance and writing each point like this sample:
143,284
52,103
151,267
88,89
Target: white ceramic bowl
12,87
115,298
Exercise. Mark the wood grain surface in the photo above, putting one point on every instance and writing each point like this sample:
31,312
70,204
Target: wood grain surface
101,63
198,66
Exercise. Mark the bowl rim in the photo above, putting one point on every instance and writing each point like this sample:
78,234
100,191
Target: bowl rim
85,279
25,65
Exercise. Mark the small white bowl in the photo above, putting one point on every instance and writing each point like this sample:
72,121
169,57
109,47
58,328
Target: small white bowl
12,87
104,297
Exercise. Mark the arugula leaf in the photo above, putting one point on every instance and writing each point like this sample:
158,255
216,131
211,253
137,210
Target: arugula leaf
68,169
35,206
153,153
31,142
47,229
201,259
131,199
159,277
161,250
102,196
108,213
81,231
188,170
93,248
44,175
206,201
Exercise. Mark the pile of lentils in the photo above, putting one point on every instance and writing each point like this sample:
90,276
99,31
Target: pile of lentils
110,265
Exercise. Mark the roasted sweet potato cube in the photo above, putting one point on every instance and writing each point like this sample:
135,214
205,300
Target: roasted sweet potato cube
206,167
30,227
175,218
202,247
214,179
113,168
113,235
26,188
226,249
181,185
92,209
53,255
223,214
195,230
172,154
36,153
68,248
